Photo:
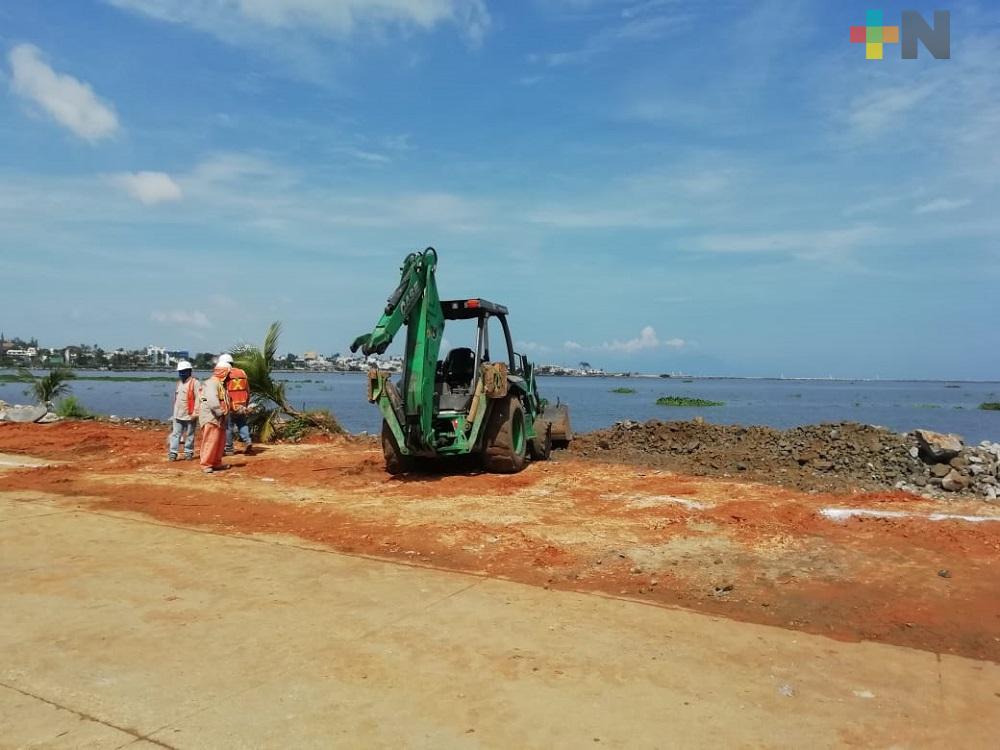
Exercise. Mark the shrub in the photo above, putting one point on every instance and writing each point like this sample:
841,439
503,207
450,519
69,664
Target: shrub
623,389
72,408
990,406
685,401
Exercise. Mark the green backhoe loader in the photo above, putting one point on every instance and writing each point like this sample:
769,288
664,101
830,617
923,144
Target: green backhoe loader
473,402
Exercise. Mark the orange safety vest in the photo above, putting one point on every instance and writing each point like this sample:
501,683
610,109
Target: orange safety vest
238,388
190,394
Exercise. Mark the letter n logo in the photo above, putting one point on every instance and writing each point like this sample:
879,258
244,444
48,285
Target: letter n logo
936,39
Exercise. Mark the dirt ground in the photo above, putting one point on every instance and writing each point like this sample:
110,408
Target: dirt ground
740,550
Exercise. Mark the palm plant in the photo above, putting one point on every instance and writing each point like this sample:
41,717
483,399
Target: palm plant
269,399
47,388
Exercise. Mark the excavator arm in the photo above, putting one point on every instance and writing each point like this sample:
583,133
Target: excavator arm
415,304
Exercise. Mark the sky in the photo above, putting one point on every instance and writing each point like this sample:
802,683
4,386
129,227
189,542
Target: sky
724,188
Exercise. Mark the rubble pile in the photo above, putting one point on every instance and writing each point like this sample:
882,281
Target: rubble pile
824,457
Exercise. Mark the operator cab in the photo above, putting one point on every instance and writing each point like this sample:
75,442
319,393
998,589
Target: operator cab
455,379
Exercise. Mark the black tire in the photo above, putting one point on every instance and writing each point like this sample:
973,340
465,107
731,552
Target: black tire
395,461
506,445
541,447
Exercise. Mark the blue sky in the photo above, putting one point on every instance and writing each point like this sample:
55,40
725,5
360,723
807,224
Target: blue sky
713,187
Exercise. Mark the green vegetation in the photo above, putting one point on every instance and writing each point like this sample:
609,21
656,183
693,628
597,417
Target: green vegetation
623,389
685,401
269,399
990,406
8,378
47,388
71,408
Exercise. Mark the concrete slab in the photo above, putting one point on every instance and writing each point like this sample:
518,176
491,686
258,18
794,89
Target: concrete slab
189,640
29,722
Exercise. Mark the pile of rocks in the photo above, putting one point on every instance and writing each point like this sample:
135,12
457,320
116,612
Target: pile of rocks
952,466
830,457
22,413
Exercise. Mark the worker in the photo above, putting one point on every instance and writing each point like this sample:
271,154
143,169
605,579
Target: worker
185,416
238,388
214,406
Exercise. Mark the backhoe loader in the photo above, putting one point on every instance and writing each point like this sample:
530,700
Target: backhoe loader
476,401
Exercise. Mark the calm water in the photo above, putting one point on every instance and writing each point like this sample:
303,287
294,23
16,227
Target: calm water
902,406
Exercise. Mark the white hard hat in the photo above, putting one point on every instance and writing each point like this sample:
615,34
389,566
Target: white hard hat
184,365
224,359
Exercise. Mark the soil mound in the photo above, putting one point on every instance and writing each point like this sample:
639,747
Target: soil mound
824,457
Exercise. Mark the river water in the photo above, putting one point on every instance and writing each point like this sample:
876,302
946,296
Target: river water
898,405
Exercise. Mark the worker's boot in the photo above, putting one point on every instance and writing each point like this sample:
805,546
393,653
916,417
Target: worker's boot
171,456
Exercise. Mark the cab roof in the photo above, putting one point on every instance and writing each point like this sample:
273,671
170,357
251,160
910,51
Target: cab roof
463,309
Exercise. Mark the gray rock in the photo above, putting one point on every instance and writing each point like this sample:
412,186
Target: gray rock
937,446
954,482
940,470
49,417
25,413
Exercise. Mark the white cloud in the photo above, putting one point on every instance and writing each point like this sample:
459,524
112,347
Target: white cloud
194,318
70,102
631,32
939,205
647,339
875,112
585,217
809,244
369,156
530,346
341,18
149,187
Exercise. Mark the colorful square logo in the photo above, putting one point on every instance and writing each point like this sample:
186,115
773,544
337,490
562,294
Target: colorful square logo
874,35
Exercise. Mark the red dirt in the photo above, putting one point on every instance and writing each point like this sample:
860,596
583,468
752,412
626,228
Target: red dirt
654,536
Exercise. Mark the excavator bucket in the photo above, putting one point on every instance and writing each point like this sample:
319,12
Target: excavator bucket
558,417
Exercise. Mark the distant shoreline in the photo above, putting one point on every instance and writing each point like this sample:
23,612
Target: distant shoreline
161,373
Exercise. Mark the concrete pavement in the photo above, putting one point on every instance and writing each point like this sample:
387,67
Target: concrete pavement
118,631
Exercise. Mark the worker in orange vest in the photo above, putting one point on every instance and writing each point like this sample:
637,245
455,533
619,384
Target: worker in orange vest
238,389
184,420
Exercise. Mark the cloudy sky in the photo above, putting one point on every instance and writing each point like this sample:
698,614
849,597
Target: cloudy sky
721,187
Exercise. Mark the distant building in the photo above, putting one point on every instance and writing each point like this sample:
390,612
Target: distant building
157,355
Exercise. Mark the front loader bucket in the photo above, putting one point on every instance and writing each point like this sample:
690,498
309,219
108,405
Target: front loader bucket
558,417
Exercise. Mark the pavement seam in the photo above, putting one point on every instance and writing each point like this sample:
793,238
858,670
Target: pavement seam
37,515
88,717
419,610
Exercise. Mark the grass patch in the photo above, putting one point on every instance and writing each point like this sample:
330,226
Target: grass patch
685,401
990,406
71,408
623,389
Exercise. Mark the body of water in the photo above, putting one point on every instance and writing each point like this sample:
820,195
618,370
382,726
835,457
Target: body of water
898,405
